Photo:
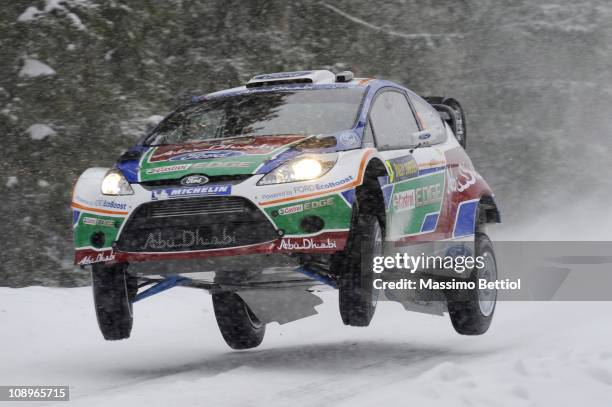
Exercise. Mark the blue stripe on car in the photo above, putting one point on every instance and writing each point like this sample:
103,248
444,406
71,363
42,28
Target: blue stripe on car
430,222
465,221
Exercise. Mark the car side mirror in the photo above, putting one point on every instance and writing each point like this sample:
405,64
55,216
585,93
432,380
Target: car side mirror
423,136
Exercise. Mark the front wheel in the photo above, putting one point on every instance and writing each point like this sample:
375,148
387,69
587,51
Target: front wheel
472,313
113,290
239,326
356,292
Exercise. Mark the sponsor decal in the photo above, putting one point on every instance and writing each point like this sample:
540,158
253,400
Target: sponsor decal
428,194
188,239
275,195
110,204
461,178
223,164
321,187
417,197
90,221
247,145
403,201
291,209
170,193
306,206
87,220
306,244
204,155
98,258
301,189
402,168
169,168
195,179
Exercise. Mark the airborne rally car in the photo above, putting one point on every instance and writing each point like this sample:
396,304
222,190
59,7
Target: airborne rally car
264,193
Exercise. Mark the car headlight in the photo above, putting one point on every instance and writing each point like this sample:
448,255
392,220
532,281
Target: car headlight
114,183
300,169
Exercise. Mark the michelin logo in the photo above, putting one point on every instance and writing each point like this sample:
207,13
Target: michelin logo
170,193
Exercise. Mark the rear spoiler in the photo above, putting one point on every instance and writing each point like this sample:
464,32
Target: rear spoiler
450,111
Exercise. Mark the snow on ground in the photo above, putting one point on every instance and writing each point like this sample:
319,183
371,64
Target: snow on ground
40,131
535,354
33,68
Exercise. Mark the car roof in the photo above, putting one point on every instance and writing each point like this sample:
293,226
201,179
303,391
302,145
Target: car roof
374,84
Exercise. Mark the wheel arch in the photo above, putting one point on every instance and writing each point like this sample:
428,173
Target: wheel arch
369,197
489,211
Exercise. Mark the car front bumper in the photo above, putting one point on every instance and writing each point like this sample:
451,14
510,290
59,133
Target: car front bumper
244,219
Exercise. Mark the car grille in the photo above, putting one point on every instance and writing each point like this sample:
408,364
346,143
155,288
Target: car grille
184,207
195,224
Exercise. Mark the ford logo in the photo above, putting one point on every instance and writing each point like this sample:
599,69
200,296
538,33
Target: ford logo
192,180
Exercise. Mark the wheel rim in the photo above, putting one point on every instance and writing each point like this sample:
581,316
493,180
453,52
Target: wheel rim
487,297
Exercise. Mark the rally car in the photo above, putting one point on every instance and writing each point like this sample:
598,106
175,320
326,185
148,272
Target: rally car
262,193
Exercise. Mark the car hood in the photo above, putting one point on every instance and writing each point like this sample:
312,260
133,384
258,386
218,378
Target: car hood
236,156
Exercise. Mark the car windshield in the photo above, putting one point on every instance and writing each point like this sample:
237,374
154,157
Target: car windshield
308,112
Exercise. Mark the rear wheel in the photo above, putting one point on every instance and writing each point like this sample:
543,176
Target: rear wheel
113,290
356,293
471,313
239,326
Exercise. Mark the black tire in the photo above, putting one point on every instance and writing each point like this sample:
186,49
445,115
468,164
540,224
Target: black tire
240,328
357,297
113,290
469,312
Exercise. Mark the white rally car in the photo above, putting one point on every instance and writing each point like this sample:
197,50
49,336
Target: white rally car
262,193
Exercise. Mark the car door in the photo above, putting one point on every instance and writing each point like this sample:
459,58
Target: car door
414,188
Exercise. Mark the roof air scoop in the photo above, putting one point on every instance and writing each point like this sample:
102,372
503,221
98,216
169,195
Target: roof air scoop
344,76
283,78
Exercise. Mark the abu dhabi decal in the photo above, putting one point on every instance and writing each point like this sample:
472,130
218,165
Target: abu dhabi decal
205,155
168,168
169,193
187,239
306,244
98,257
